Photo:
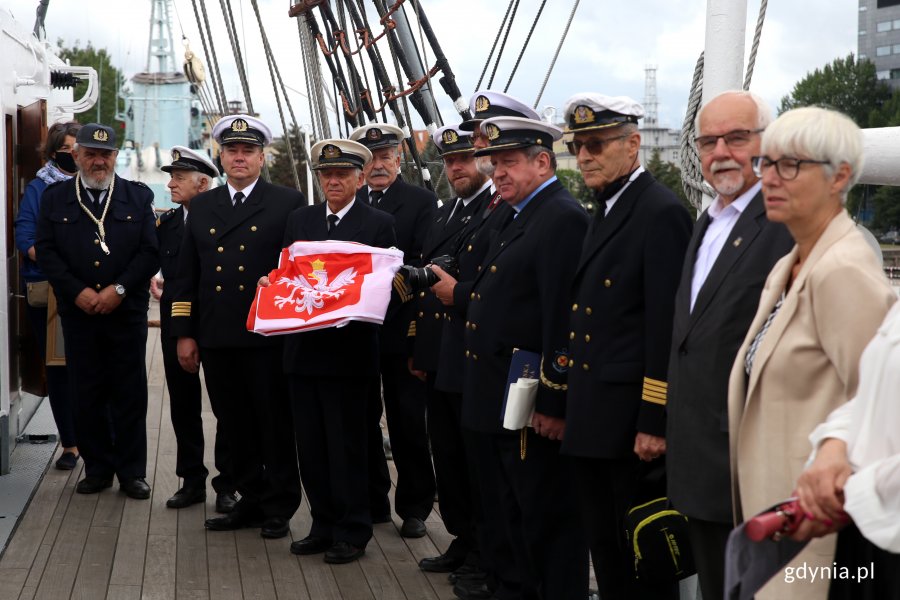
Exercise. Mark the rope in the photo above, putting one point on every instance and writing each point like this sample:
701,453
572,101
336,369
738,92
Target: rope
487,62
525,45
691,173
757,34
236,48
503,45
556,54
210,54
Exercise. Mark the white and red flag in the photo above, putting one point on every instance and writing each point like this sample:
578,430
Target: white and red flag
325,284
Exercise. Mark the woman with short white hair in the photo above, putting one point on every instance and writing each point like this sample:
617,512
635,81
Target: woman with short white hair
820,306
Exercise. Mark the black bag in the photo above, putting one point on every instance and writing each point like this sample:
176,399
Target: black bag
658,536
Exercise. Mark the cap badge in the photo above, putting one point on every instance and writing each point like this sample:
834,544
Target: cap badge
373,134
584,115
492,131
176,155
450,137
482,104
239,125
331,151
101,135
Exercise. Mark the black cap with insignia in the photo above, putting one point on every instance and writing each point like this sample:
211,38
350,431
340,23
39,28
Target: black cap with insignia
94,135
450,139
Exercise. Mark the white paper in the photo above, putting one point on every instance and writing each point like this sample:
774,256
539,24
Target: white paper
520,404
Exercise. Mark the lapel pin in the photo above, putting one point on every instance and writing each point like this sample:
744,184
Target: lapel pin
738,241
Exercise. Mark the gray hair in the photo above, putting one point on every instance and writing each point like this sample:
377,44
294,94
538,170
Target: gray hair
818,133
764,115
532,152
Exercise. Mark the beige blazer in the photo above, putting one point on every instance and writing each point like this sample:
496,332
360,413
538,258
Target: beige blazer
806,365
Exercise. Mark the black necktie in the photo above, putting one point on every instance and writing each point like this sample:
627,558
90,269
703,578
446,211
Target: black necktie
332,223
238,199
375,197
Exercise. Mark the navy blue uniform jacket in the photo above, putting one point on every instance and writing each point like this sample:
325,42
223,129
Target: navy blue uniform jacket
69,254
520,300
224,253
621,321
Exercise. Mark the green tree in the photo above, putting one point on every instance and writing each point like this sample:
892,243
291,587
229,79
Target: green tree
847,84
573,182
670,176
886,202
110,78
280,170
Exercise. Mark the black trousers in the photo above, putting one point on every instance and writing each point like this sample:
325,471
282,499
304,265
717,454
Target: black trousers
186,406
607,489
105,359
248,391
404,404
874,573
58,388
330,422
451,467
378,473
708,542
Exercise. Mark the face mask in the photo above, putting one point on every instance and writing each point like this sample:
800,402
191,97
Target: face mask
65,162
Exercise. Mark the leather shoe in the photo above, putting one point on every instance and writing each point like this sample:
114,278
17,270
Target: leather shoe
467,572
93,484
310,545
67,461
275,527
237,519
186,496
225,502
342,552
445,563
135,487
466,590
413,527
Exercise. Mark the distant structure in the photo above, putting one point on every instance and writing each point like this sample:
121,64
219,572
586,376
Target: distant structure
161,111
653,136
879,37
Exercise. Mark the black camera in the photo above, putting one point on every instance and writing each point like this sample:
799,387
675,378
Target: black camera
419,278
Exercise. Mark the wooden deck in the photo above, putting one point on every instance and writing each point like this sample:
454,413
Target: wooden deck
108,546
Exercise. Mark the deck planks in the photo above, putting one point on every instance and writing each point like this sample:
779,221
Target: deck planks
110,547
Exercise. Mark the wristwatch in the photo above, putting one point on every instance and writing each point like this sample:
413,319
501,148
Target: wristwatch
120,289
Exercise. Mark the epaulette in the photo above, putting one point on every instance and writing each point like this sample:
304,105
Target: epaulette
165,216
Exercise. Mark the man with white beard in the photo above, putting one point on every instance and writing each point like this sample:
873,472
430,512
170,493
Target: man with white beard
96,242
731,252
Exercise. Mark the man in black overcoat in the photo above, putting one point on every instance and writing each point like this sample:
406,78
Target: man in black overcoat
191,173
232,238
96,242
728,259
413,209
519,301
330,370
620,330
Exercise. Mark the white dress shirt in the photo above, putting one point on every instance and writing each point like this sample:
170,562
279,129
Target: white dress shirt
721,221
340,214
246,191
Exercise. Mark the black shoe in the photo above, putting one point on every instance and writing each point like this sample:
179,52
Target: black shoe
237,519
310,545
275,527
342,552
67,461
467,572
445,563
186,496
413,527
93,484
135,487
465,590
225,502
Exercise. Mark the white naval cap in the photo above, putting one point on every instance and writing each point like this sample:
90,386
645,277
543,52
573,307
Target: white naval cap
377,135
339,154
242,128
486,104
187,159
589,110
509,133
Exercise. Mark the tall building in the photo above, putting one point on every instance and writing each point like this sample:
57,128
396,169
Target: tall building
879,37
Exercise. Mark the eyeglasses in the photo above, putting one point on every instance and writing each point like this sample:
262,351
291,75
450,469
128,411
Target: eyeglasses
594,145
733,139
787,168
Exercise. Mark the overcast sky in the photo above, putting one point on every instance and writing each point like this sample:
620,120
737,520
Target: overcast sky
606,50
